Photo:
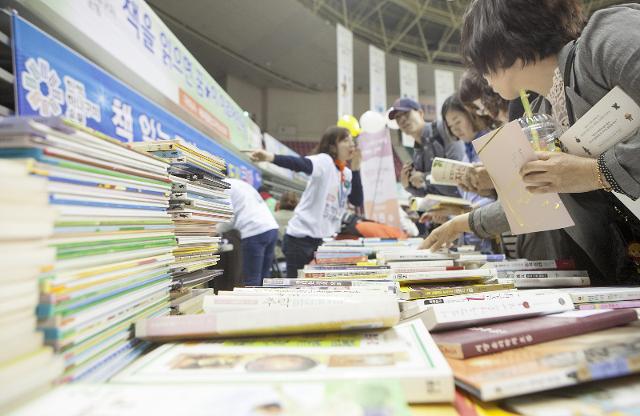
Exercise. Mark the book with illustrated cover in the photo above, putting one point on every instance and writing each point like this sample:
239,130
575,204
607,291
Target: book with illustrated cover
564,362
196,399
405,354
618,397
491,338
379,312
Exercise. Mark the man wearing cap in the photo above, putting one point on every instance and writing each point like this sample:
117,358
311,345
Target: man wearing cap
431,141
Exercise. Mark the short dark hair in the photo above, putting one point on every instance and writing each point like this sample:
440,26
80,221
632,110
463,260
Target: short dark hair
289,200
473,87
453,103
496,33
330,139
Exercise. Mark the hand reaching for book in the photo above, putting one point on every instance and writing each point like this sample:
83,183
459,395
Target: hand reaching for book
261,156
446,233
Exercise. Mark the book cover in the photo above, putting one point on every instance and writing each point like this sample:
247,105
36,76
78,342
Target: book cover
414,291
603,294
565,362
375,313
405,354
448,171
491,338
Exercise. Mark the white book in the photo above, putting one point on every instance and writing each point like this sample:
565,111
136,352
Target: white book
485,309
405,354
523,264
603,294
614,118
221,303
410,255
559,282
448,171
375,313
445,275
520,274
395,265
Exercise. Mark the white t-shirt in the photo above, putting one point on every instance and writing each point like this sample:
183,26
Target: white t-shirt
251,214
323,202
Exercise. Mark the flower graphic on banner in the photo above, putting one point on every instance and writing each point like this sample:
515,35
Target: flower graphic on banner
43,84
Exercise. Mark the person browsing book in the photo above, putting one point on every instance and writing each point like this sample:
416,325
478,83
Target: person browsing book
258,231
431,141
544,47
331,185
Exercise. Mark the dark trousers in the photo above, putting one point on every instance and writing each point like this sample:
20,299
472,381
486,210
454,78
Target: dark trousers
298,252
257,257
231,264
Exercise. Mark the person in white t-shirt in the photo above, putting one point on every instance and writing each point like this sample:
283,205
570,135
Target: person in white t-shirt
258,231
331,185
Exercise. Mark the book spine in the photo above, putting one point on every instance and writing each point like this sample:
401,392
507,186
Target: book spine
606,297
452,291
530,282
612,305
547,274
522,338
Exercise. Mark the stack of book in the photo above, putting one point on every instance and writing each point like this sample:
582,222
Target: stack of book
525,273
619,297
199,202
27,367
112,241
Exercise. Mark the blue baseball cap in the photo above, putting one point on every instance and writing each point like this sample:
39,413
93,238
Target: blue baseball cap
402,105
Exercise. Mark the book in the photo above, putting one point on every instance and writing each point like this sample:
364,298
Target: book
416,291
194,399
525,265
378,285
603,294
610,305
377,313
492,338
520,274
405,354
432,202
540,282
501,306
410,255
448,171
503,152
614,118
619,397
564,362
444,276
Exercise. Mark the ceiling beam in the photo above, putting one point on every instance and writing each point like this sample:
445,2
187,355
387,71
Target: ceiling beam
408,27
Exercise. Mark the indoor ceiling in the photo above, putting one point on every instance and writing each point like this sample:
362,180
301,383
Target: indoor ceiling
292,43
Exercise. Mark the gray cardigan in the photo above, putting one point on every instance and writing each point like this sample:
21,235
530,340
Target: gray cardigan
606,56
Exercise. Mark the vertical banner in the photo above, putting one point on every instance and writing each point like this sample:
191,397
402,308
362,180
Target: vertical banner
377,80
444,87
345,70
408,89
379,178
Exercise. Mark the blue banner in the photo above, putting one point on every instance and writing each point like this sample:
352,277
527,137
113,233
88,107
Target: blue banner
53,80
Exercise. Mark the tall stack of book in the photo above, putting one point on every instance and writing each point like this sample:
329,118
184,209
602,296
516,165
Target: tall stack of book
199,202
27,367
112,241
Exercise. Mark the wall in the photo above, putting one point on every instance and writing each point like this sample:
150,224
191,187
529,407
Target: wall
295,115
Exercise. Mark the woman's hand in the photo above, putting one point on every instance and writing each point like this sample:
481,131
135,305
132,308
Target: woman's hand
261,156
560,172
446,233
405,173
417,179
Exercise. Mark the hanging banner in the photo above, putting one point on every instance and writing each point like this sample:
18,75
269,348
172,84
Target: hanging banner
377,80
345,70
52,80
408,89
128,33
445,87
379,178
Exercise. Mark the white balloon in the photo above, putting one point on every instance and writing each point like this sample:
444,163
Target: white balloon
372,122
392,124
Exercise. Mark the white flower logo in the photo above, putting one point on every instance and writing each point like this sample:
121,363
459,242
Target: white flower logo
43,84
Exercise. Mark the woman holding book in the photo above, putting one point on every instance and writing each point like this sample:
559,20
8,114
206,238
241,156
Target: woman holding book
545,48
331,185
466,127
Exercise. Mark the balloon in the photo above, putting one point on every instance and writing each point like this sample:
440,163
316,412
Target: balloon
372,122
392,124
350,123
